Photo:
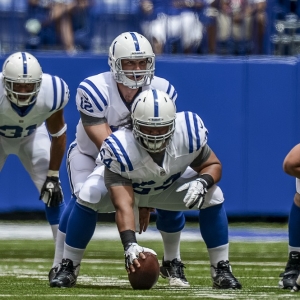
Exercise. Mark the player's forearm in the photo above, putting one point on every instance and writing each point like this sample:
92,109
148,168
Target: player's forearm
58,148
214,170
98,133
125,219
123,200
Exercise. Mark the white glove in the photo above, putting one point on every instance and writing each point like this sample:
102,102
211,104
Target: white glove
195,194
133,252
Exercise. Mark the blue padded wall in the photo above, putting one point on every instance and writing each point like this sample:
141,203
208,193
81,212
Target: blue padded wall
249,105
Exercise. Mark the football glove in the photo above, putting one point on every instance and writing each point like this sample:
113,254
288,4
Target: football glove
51,192
133,252
195,194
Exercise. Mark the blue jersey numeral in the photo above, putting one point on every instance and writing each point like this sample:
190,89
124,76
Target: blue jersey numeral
16,131
106,161
139,189
86,105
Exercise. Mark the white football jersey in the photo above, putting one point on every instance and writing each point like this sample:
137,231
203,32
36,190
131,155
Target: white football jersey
122,154
19,123
98,96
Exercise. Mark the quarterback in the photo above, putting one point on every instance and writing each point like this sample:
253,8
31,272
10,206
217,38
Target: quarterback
31,108
153,165
104,101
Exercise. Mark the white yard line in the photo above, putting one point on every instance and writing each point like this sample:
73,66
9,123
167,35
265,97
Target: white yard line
36,231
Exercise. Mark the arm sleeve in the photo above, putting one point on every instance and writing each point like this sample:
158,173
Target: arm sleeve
90,121
202,157
114,179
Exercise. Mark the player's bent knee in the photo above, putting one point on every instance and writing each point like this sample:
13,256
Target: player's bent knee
93,206
90,194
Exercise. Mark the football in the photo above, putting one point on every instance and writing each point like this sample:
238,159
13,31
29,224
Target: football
146,276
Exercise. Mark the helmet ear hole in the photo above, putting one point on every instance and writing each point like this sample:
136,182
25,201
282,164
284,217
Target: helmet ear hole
22,69
155,111
131,46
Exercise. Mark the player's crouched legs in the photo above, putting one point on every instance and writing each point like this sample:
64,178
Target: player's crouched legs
170,224
214,229
81,226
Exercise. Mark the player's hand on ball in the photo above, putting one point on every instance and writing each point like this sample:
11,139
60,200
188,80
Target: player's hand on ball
51,192
132,254
195,194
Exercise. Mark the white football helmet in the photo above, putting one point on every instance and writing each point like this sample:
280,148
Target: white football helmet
21,67
153,108
131,45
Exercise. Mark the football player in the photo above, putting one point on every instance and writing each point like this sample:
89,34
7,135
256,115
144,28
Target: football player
291,166
104,100
163,162
31,108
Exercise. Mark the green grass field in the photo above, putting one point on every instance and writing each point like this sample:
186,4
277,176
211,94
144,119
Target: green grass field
24,266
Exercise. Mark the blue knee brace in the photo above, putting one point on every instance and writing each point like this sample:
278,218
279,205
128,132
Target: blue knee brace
170,221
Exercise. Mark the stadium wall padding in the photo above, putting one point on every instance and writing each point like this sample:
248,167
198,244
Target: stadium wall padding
250,106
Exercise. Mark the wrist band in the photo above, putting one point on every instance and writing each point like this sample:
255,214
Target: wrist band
53,173
208,179
127,237
61,132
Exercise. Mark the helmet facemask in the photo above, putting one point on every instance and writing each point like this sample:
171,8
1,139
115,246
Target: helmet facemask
19,98
22,77
134,78
131,46
154,143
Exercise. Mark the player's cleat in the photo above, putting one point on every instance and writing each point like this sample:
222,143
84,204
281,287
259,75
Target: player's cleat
296,288
53,272
66,275
291,272
223,278
174,272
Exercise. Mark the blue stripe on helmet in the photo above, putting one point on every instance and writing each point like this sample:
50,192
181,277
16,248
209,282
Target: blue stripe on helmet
136,42
155,98
24,63
190,135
